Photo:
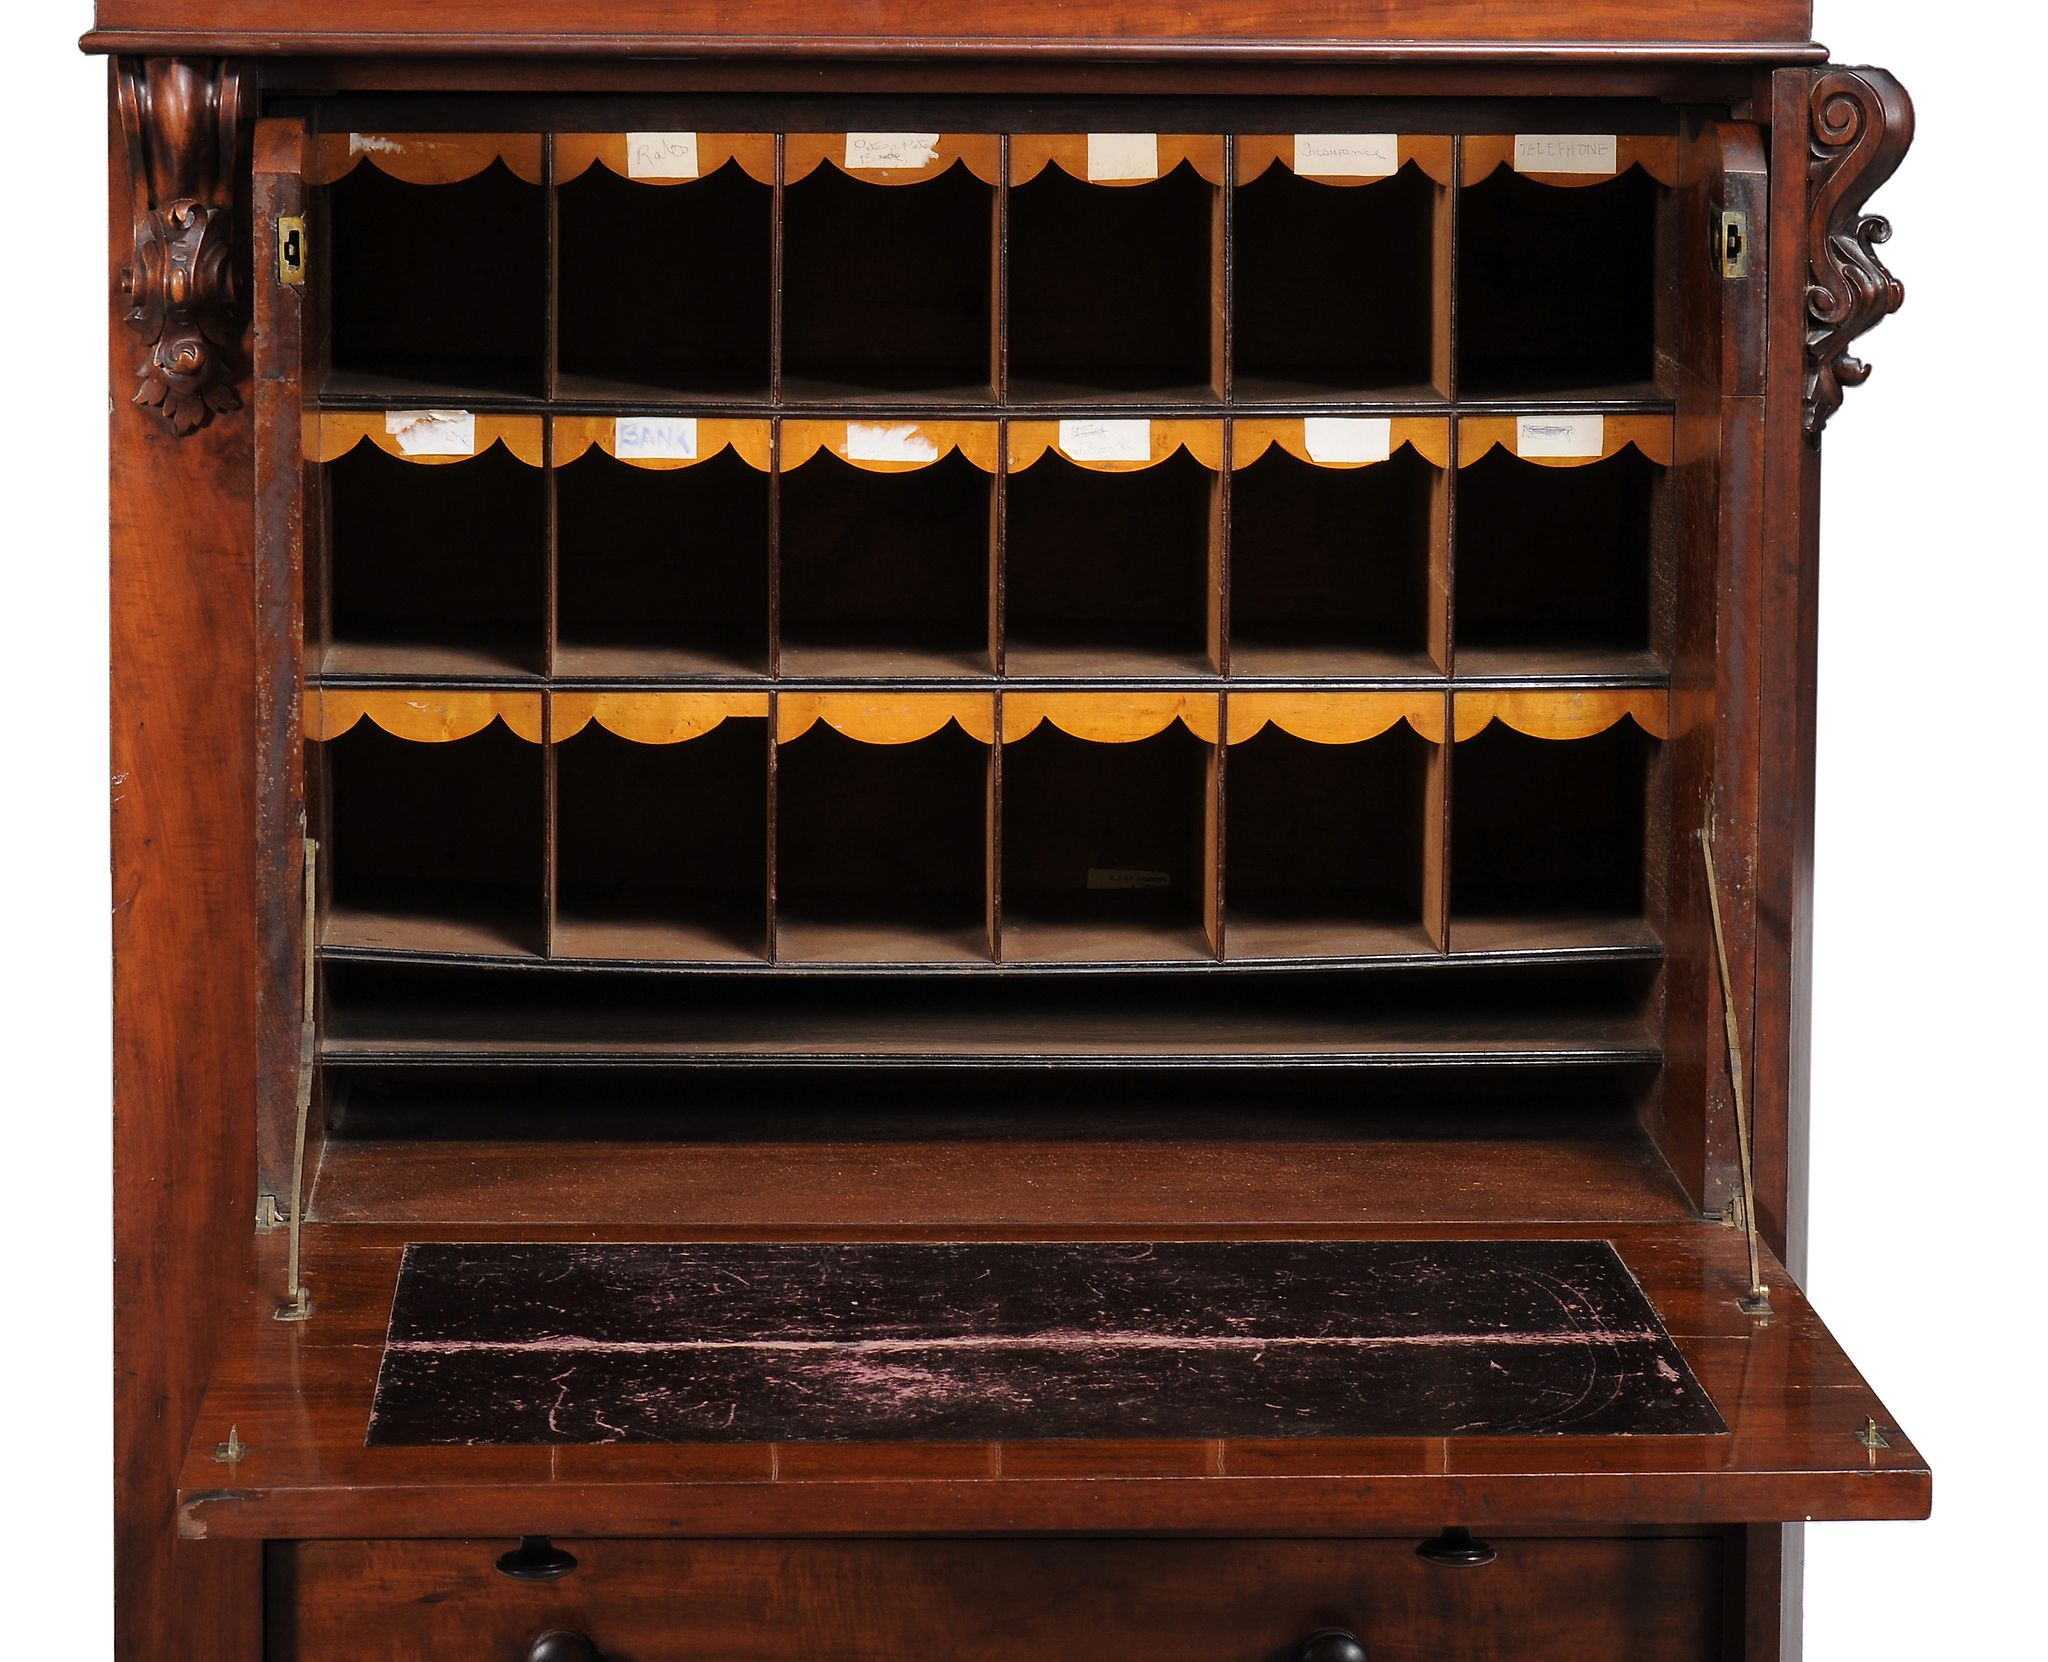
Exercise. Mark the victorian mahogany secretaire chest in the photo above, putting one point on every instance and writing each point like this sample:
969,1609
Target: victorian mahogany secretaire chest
974,831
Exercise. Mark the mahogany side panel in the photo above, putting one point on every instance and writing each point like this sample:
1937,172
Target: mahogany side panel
184,1050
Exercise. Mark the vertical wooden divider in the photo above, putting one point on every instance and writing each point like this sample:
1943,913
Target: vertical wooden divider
1222,271
771,948
553,211
775,545
551,558
1436,837
776,220
999,313
1444,255
1219,555
551,793
1214,922
993,841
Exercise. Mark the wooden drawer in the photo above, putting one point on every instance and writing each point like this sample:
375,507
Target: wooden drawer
1038,1600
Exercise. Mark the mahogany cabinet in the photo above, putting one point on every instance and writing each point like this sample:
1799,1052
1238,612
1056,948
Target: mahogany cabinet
974,831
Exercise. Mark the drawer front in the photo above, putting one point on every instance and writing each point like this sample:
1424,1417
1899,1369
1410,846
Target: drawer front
1541,1600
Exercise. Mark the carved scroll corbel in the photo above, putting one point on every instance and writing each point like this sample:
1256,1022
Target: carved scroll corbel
183,122
1862,123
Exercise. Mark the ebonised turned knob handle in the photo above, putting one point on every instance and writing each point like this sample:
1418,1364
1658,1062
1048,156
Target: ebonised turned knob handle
561,1645
1330,1644
1455,1549
536,1558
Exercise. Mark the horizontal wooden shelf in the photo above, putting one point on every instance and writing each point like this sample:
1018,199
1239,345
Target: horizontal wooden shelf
980,1036
298,1394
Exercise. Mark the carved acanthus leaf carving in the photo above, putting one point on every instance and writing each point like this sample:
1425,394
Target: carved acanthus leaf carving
183,121
1862,123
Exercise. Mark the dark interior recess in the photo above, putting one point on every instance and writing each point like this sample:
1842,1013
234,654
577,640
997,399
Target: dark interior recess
435,847
881,850
742,1106
1108,573
1555,559
885,573
1549,828
436,570
437,289
1112,287
661,571
661,850
664,289
1557,285
1329,568
1335,287
889,288
407,1015
1326,845
1103,846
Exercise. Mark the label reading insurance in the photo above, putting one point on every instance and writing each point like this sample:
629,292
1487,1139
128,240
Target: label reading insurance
1337,439
655,438
1106,441
1564,153
877,152
1347,155
1123,156
661,155
432,432
1577,435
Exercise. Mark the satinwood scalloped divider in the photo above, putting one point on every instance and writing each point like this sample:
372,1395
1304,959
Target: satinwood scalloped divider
1252,436
1651,434
1655,153
883,445
337,432
427,158
1032,153
1163,438
1562,713
751,439
650,717
1432,154
577,153
885,717
425,715
1335,717
893,158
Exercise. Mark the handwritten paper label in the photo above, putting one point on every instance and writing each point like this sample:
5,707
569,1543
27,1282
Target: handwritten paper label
1333,439
1122,877
1106,441
655,438
873,152
1573,435
1347,155
1123,156
1564,153
432,432
871,442
661,155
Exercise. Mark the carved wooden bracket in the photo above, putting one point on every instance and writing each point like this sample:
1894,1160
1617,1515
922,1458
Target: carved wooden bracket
1862,122
183,121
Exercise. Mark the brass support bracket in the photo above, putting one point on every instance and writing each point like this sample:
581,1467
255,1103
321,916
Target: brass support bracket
1757,1301
298,1305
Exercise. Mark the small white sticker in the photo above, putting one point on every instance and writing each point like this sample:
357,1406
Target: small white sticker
432,432
874,152
1124,877
1333,439
655,438
1106,441
1562,435
1564,153
1123,156
871,442
661,155
1347,155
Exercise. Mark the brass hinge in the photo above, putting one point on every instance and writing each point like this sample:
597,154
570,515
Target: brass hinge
268,1217
291,251
1731,244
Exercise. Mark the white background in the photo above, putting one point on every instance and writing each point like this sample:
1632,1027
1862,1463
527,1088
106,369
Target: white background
1929,1098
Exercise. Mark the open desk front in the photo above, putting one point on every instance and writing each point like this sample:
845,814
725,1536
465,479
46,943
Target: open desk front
1072,827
